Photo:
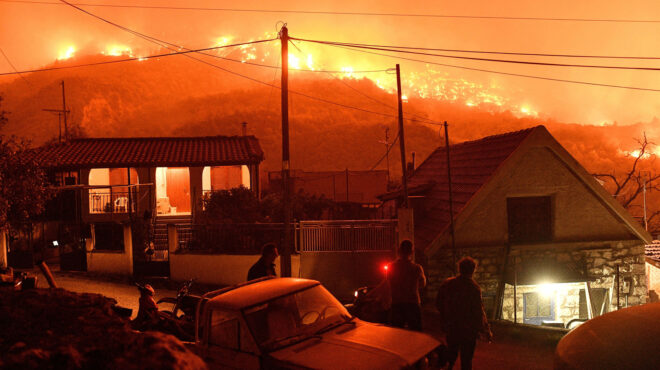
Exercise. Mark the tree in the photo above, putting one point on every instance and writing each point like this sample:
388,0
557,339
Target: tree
628,187
23,183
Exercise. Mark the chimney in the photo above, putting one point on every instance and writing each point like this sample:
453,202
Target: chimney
244,124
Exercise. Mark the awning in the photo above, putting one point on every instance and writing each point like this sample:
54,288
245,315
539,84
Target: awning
533,272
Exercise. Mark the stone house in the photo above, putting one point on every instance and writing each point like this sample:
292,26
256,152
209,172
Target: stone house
552,244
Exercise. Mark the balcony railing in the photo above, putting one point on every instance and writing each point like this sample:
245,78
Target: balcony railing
111,202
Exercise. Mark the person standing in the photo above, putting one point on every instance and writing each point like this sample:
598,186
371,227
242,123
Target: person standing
462,313
265,266
405,279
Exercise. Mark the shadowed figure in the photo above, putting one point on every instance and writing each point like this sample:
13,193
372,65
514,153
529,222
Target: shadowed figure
265,266
405,279
462,313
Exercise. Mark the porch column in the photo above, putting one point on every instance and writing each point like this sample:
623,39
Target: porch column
84,193
196,192
3,249
145,198
128,247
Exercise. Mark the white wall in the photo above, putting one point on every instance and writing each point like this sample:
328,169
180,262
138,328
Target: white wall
222,269
113,262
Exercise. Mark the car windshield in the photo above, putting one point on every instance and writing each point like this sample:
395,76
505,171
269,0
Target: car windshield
295,317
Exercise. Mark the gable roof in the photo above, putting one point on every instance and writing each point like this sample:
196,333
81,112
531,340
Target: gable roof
152,151
473,163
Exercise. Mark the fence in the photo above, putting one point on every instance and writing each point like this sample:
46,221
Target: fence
348,236
229,238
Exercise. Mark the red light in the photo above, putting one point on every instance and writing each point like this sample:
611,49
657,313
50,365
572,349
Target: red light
386,267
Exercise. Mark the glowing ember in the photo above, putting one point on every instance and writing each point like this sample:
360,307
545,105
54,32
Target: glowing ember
67,53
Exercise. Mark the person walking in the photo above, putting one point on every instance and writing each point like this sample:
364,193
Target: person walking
265,266
462,314
405,279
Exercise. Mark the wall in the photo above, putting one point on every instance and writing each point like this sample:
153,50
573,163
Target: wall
653,276
343,272
220,269
112,262
599,258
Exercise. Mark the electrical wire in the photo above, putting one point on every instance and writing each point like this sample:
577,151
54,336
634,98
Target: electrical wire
371,14
14,68
387,152
587,83
163,43
131,59
511,61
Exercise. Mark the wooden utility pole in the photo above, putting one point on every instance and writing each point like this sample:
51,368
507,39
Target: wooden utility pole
387,152
60,113
402,141
451,202
66,130
286,202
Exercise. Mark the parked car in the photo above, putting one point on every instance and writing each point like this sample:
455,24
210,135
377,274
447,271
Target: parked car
623,339
296,323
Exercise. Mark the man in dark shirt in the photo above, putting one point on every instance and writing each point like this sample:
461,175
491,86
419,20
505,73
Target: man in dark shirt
406,278
265,266
462,313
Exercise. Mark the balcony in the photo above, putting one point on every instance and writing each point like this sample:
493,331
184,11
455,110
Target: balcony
101,202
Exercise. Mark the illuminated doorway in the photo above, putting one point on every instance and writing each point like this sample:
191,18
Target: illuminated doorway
225,177
172,191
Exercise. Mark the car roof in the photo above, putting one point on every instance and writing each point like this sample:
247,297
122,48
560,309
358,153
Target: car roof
253,294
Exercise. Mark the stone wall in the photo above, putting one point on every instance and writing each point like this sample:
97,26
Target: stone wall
599,258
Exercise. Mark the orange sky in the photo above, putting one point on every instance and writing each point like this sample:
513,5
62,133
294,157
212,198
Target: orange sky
34,35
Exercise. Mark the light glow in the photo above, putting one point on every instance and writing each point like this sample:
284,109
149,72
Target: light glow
67,53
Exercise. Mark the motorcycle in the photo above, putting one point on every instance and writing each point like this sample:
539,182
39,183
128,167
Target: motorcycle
371,303
180,321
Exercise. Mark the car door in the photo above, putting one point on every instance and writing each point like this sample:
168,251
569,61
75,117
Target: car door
229,343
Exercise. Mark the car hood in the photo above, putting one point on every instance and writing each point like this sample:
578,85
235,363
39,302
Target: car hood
359,345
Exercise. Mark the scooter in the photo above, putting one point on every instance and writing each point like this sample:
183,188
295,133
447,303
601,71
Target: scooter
183,305
182,326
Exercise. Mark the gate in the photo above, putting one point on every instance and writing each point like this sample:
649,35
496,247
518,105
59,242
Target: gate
345,255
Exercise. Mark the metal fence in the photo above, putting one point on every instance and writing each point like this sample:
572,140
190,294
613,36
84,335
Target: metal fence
229,238
347,236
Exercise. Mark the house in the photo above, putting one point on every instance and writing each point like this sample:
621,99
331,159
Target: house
108,185
552,244
653,270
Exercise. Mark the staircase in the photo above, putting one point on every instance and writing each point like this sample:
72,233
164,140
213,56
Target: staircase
183,225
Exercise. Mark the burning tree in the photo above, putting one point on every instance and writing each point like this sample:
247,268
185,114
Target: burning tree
628,188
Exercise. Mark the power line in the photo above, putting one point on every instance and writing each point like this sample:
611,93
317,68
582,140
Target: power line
131,59
509,52
161,43
526,62
387,152
14,68
371,14
504,73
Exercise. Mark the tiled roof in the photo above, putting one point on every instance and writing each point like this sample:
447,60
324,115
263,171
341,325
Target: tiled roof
153,151
473,163
653,251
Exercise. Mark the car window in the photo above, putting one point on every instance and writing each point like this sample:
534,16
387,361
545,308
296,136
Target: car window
224,330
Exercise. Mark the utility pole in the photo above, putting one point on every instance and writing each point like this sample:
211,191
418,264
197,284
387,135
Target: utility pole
387,152
66,130
286,202
402,141
61,113
646,223
451,203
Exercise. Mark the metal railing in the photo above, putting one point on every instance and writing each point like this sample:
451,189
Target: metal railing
111,202
229,238
348,235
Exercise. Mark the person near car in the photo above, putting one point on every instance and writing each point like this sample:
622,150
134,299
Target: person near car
462,313
405,279
147,315
265,266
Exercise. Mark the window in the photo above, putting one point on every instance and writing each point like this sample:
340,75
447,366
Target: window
530,219
538,308
109,236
